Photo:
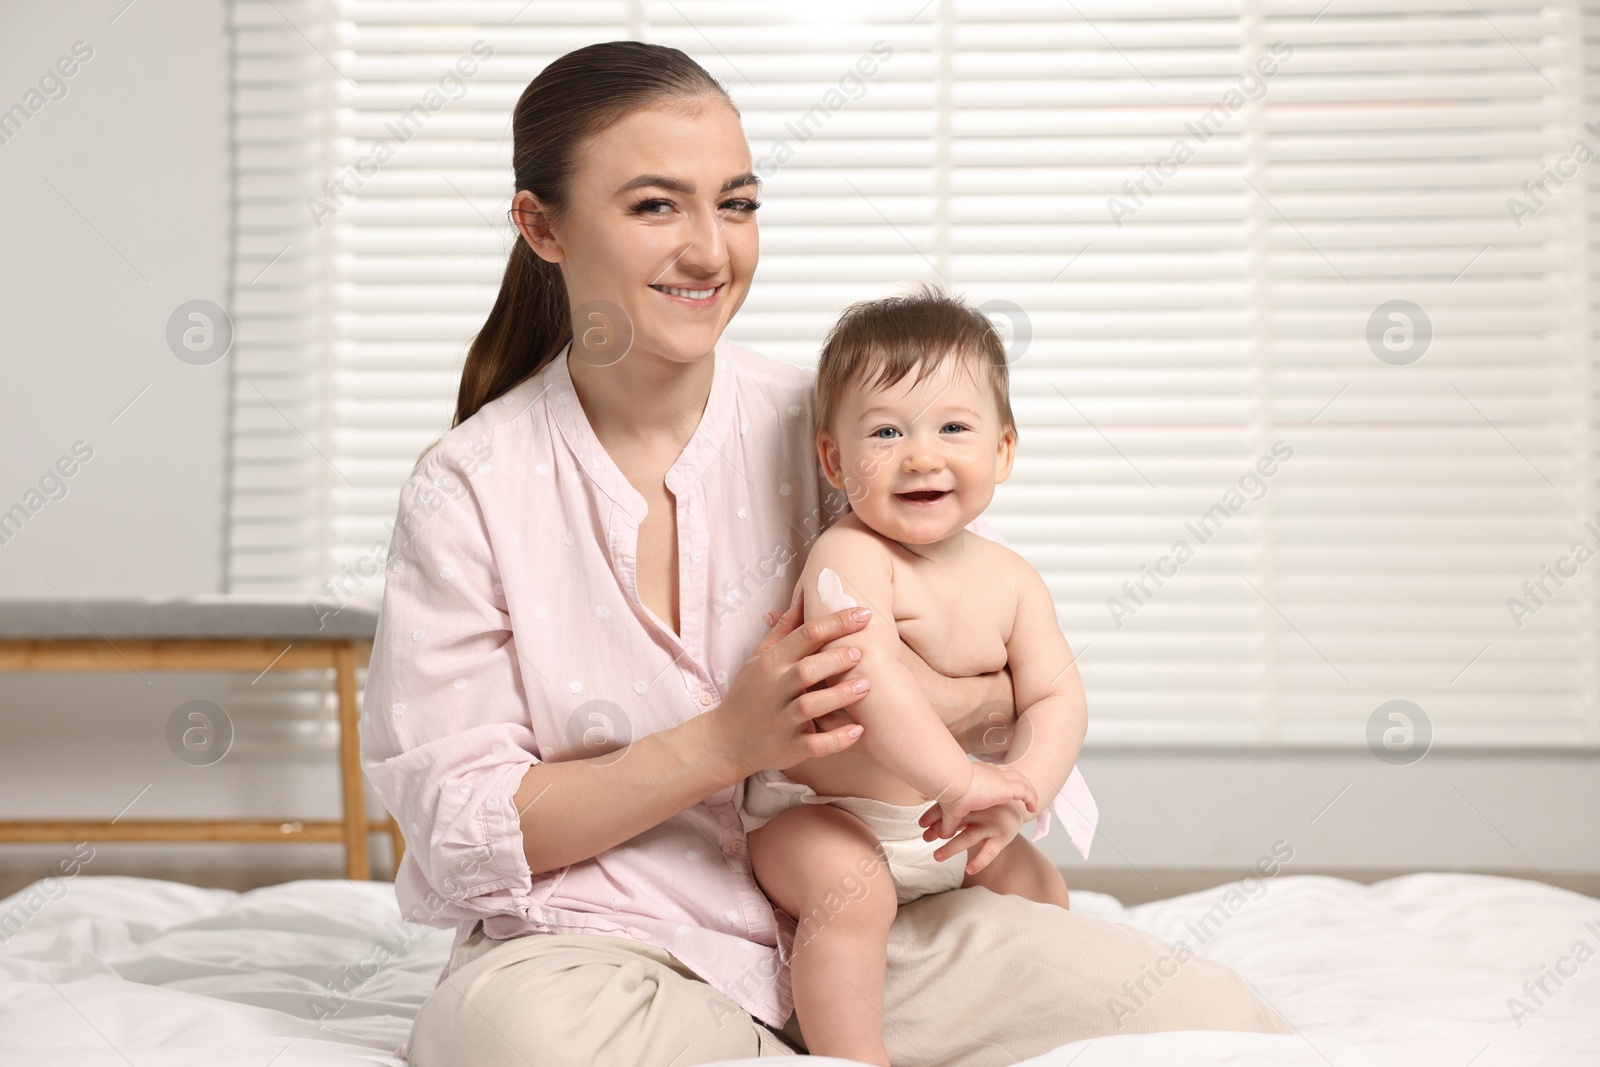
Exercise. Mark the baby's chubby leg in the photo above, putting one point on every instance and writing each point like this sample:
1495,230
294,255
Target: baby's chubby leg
824,867
1022,870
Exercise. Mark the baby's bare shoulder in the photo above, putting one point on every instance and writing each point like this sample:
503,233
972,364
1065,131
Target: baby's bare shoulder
1001,561
848,545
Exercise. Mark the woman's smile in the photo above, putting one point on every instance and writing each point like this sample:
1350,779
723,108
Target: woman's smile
699,297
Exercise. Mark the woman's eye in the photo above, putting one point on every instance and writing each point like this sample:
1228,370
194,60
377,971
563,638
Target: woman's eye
645,207
742,205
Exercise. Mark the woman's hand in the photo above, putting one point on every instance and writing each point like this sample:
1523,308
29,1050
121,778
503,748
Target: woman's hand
766,722
979,709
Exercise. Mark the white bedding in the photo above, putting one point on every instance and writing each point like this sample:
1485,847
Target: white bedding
1416,970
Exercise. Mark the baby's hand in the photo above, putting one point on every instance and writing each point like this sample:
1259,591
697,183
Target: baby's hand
992,784
986,832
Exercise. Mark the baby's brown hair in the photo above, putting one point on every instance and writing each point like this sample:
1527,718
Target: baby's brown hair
894,334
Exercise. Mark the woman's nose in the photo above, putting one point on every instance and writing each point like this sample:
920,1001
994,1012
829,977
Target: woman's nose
708,249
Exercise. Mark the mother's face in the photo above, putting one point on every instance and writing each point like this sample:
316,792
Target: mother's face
661,204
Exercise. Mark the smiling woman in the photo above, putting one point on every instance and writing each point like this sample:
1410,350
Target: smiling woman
637,236
563,719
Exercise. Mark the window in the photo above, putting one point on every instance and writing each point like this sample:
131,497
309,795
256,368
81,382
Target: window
1299,301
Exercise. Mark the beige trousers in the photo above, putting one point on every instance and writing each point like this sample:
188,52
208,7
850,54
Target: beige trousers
974,980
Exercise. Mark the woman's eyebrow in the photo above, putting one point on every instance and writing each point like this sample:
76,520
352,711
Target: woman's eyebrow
687,189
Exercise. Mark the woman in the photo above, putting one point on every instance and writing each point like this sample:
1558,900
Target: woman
571,680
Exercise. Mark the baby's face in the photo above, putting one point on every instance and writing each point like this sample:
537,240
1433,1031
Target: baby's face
919,461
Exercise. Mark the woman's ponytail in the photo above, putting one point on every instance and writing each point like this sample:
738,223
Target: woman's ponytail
575,97
528,325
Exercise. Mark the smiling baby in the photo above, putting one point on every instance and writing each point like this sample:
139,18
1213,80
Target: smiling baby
914,423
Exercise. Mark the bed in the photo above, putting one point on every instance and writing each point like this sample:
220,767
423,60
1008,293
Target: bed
1423,969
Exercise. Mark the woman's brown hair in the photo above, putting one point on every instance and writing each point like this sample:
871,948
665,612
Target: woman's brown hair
575,97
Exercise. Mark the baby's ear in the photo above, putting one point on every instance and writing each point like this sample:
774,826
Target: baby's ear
828,457
1006,455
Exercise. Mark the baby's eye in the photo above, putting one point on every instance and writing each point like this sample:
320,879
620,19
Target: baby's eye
957,425
880,431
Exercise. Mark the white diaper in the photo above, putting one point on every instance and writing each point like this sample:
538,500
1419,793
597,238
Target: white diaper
911,864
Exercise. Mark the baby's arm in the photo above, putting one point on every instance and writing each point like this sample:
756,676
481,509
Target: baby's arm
1051,712
903,732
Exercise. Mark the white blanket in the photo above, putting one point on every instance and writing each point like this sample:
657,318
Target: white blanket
1426,969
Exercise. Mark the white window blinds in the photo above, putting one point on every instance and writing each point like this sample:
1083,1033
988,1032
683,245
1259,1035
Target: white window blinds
1307,400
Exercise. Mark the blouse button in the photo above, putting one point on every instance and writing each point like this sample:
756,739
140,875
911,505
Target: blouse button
736,847
705,698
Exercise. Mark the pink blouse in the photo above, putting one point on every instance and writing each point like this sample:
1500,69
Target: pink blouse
512,632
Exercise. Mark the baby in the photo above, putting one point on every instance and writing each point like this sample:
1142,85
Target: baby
839,842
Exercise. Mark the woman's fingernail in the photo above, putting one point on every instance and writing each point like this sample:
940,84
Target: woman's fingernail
855,653
860,685
854,731
861,614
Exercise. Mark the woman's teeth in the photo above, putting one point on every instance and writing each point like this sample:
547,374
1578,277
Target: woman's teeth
690,294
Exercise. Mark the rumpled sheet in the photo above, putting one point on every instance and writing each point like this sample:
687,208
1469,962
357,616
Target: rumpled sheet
1421,970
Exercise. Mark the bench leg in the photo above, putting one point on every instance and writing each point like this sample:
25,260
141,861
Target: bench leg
354,808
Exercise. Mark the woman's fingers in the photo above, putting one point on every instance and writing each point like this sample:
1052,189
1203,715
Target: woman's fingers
821,701
826,744
827,664
824,628
781,626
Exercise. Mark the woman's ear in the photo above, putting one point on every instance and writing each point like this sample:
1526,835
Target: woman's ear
533,223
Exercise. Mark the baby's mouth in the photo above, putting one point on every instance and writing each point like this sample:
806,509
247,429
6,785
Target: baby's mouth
924,496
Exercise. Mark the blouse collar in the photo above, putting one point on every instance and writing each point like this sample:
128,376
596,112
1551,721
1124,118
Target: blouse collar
692,462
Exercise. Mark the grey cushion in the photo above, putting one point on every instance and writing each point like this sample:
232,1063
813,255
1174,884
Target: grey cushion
291,618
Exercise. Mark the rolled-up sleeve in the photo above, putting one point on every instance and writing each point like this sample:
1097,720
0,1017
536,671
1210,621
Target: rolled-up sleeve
446,739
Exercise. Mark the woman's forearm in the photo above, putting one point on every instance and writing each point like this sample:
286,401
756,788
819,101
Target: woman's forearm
979,710
576,809
903,731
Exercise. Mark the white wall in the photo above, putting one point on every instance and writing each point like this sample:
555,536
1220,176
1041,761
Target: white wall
1225,808
139,146
116,211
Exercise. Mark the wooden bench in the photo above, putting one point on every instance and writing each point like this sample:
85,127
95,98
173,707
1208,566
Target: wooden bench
205,633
